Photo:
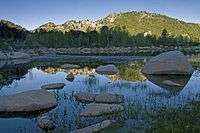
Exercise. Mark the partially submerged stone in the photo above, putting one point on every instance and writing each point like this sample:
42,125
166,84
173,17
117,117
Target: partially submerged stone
53,86
94,128
85,97
70,66
45,123
173,62
70,77
30,101
97,109
171,83
2,56
109,98
107,69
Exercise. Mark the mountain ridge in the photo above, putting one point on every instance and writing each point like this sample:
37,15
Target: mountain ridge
134,22
117,29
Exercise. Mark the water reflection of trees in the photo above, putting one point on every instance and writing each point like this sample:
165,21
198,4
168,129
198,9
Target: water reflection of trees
12,72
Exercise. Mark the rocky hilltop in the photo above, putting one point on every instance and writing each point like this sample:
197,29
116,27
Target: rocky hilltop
134,22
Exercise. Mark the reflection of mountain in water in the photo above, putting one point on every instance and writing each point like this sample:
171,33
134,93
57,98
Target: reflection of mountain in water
173,84
130,73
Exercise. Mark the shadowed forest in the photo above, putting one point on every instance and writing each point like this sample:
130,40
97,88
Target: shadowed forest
105,37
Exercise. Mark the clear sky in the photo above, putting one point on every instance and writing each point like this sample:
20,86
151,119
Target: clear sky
32,13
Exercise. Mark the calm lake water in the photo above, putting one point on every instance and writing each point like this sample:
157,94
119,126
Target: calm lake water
145,96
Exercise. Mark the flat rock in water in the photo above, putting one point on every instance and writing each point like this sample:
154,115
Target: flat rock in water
85,97
171,83
30,101
70,66
173,62
109,98
108,69
97,109
53,86
46,123
94,128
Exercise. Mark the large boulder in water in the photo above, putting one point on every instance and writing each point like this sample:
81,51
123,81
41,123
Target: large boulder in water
30,101
173,62
107,69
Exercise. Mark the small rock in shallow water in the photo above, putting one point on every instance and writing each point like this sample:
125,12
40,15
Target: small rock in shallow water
53,86
109,98
46,123
95,109
84,97
2,56
108,69
70,66
94,128
70,77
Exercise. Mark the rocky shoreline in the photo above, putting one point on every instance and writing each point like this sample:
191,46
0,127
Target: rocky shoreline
106,51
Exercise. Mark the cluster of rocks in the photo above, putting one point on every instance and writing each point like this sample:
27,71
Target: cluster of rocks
99,104
104,103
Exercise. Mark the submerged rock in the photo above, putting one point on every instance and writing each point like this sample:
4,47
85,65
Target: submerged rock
18,55
46,123
171,83
109,98
95,109
70,77
108,69
2,56
70,66
85,97
53,86
17,62
2,63
30,101
173,62
94,128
